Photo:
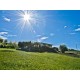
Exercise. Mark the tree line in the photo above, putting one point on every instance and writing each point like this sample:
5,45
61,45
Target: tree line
5,44
33,46
37,47
41,47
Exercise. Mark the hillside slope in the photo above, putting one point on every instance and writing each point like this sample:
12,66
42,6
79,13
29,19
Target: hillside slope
11,59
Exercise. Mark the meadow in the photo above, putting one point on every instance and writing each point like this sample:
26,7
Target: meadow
11,59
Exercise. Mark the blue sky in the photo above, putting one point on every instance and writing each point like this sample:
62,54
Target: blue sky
50,26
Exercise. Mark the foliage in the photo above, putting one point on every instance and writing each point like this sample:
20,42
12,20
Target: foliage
37,47
33,46
1,40
6,44
63,48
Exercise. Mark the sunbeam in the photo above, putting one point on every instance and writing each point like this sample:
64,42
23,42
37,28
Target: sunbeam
29,20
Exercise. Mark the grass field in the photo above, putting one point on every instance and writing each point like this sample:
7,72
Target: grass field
11,59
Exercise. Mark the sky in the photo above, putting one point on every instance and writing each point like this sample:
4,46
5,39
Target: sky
49,26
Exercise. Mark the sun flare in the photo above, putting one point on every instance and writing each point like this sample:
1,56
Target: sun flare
30,20
26,17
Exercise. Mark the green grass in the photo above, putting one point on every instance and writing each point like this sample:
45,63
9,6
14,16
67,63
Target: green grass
11,59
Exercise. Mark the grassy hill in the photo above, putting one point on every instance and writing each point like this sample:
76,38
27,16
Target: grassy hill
11,59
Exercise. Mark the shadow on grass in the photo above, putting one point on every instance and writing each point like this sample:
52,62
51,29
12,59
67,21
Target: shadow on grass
7,51
71,54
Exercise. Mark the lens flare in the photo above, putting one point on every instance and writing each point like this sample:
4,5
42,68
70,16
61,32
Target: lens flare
30,20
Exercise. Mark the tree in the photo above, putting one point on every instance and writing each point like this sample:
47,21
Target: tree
15,45
25,45
1,40
55,49
20,44
10,45
5,41
63,48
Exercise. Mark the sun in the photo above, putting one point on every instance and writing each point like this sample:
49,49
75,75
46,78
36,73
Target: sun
29,20
26,17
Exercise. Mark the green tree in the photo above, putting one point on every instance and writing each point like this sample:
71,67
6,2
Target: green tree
55,49
63,48
20,44
5,41
15,45
1,40
10,45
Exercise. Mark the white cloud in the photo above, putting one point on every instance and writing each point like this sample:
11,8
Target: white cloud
3,37
65,26
7,19
51,34
38,36
42,39
3,33
55,46
78,29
